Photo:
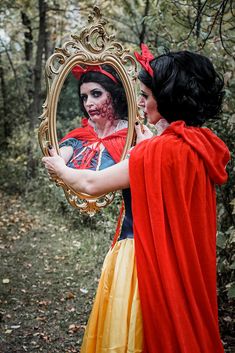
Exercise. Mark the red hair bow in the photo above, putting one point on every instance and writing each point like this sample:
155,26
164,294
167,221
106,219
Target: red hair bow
78,71
145,58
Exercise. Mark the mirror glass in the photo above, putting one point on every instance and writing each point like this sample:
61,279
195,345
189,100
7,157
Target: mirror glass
92,117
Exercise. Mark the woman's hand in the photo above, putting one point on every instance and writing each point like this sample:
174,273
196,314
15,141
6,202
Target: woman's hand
54,164
142,132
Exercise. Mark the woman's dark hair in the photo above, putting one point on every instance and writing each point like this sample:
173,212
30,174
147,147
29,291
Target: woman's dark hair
186,87
115,89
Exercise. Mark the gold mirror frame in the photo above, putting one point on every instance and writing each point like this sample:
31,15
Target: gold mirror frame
92,46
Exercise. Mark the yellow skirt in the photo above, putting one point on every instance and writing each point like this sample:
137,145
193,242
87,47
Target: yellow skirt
115,323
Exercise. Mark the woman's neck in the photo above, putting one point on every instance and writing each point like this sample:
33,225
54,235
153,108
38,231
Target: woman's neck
105,128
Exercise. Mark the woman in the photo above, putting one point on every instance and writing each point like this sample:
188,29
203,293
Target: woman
172,179
99,143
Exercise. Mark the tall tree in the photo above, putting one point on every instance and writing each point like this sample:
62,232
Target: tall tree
6,123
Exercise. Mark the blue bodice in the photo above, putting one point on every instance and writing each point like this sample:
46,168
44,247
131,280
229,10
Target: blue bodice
127,223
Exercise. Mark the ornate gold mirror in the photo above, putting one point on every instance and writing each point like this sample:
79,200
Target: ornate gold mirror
95,73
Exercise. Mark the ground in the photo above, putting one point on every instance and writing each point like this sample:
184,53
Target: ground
48,277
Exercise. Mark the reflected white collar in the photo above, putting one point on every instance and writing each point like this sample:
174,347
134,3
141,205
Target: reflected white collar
161,126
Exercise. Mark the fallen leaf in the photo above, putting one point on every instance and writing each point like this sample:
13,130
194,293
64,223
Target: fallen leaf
41,318
70,295
77,244
5,280
84,290
44,302
227,319
74,328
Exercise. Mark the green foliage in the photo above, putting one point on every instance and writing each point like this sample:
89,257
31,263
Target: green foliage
226,261
13,166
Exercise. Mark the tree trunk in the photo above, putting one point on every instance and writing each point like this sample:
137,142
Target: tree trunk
28,37
38,65
35,107
6,126
143,31
28,51
199,19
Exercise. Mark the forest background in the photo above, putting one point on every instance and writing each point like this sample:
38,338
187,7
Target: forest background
51,255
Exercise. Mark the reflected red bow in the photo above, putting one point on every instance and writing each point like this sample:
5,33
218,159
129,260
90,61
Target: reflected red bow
145,58
78,71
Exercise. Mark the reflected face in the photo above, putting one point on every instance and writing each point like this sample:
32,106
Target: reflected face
148,104
97,101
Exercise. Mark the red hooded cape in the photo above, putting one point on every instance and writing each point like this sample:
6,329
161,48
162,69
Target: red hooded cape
172,181
114,143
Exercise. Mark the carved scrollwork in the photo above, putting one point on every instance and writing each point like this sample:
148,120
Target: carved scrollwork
93,46
90,206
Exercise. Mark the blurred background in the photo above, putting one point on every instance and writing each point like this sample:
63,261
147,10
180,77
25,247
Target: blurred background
51,255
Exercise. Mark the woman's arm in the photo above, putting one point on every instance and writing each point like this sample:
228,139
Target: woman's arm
66,153
88,181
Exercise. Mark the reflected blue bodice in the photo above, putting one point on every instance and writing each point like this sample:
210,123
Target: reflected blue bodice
99,161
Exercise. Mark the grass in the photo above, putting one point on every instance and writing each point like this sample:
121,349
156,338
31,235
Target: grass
48,278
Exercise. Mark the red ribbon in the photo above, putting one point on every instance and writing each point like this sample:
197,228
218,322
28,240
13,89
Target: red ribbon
145,58
78,71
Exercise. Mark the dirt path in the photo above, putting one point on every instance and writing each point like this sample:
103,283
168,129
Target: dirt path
48,277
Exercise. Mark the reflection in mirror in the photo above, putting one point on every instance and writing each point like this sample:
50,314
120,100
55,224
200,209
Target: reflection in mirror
94,134
89,87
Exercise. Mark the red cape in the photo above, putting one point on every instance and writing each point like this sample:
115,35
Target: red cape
172,181
114,143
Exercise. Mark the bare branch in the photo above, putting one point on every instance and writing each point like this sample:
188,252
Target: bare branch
220,29
195,21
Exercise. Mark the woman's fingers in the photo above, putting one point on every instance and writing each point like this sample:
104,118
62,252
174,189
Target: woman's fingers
52,151
50,171
46,162
52,175
51,163
139,127
54,164
142,132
